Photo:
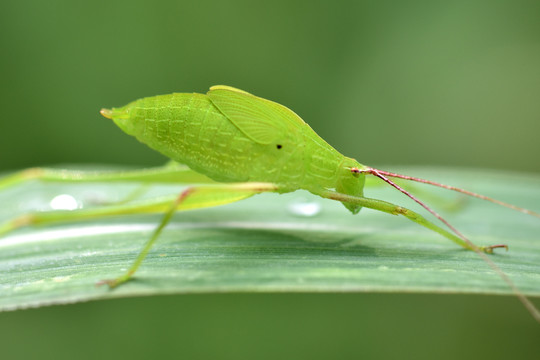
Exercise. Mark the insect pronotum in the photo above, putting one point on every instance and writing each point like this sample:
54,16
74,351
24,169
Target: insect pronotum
242,145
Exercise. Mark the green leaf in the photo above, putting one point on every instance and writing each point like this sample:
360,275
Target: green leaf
271,243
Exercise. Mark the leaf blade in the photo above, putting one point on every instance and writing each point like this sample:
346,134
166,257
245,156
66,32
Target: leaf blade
265,244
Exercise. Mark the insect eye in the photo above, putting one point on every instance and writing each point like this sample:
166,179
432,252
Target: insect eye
355,172
278,146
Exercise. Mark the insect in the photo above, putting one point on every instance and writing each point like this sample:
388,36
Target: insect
239,145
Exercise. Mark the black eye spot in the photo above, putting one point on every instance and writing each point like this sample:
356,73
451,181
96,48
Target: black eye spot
279,146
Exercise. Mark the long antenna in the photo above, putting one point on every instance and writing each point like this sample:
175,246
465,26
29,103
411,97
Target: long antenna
463,191
381,175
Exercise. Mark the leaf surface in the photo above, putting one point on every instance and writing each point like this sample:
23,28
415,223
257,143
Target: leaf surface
271,243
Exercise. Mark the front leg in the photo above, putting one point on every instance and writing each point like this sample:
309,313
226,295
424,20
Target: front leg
393,209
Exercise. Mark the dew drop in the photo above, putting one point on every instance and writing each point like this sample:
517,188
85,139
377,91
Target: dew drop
64,202
304,207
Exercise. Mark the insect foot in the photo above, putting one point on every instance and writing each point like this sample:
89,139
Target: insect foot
489,249
112,283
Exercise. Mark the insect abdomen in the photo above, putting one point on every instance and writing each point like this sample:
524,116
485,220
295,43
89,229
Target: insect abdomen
189,129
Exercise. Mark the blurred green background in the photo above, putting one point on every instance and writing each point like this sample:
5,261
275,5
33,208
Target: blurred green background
387,82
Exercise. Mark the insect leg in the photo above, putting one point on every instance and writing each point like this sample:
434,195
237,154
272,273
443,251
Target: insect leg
63,216
192,195
169,173
208,196
390,208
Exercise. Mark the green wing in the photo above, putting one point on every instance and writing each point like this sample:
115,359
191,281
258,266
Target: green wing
263,121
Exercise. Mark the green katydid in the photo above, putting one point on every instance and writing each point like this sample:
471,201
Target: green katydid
238,145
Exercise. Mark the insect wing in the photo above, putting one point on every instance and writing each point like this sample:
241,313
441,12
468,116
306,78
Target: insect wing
230,88
257,118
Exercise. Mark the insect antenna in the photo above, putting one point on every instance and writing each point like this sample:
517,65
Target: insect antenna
453,188
383,176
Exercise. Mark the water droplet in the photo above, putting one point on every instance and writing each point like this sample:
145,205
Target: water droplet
64,202
304,207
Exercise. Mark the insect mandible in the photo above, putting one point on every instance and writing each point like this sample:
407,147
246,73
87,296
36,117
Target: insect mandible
240,145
